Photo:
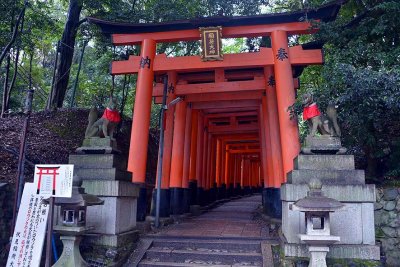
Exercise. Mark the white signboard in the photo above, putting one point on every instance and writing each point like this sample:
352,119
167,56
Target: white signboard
54,180
27,242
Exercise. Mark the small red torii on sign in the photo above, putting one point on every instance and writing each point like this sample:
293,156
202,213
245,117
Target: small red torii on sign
48,171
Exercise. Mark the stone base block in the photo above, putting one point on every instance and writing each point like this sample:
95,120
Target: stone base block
103,174
118,240
111,188
97,145
364,252
342,193
324,144
327,177
324,162
117,215
101,161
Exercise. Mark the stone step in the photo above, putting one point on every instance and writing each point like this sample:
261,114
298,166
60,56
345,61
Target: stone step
205,245
207,257
149,263
103,174
100,161
329,177
324,162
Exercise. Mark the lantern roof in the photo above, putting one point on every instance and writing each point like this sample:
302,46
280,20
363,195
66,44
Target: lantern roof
315,201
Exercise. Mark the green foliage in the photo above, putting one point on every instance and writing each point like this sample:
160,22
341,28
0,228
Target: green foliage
362,77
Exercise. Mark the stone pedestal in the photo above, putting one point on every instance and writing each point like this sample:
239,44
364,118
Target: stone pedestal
97,145
354,223
105,175
70,257
318,256
323,144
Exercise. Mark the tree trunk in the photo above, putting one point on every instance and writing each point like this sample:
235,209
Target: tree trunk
7,48
66,53
4,106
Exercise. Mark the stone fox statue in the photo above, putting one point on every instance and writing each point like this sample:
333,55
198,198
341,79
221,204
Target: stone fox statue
104,126
318,122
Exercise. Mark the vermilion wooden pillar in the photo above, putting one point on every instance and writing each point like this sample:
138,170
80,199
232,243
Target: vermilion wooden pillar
178,143
141,115
246,176
193,158
204,182
226,167
238,173
231,174
187,147
208,164
242,172
199,159
223,159
168,135
263,146
270,171
204,161
274,131
235,169
188,192
213,190
218,163
213,162
193,145
285,98
200,149
137,160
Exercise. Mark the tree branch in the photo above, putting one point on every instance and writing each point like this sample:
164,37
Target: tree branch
14,35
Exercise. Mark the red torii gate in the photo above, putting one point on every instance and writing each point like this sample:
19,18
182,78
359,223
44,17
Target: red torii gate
228,106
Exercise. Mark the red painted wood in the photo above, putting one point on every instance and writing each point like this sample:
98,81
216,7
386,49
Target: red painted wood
193,146
264,57
178,144
141,117
289,131
187,147
218,87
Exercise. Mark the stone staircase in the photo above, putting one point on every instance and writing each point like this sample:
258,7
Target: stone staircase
203,252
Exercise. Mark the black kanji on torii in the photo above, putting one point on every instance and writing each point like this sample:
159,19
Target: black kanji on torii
271,81
171,89
282,54
144,62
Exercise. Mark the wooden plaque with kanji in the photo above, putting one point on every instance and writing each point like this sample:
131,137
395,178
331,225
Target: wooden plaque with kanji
211,43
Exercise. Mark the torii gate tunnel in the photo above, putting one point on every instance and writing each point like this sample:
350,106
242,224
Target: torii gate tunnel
232,133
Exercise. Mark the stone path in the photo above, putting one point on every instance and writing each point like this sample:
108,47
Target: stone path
228,235
232,219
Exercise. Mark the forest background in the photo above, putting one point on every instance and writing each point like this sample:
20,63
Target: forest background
361,74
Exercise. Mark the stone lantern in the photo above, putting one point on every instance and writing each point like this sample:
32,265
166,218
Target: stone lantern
72,223
318,236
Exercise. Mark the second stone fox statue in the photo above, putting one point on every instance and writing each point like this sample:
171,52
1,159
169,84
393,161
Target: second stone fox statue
104,126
